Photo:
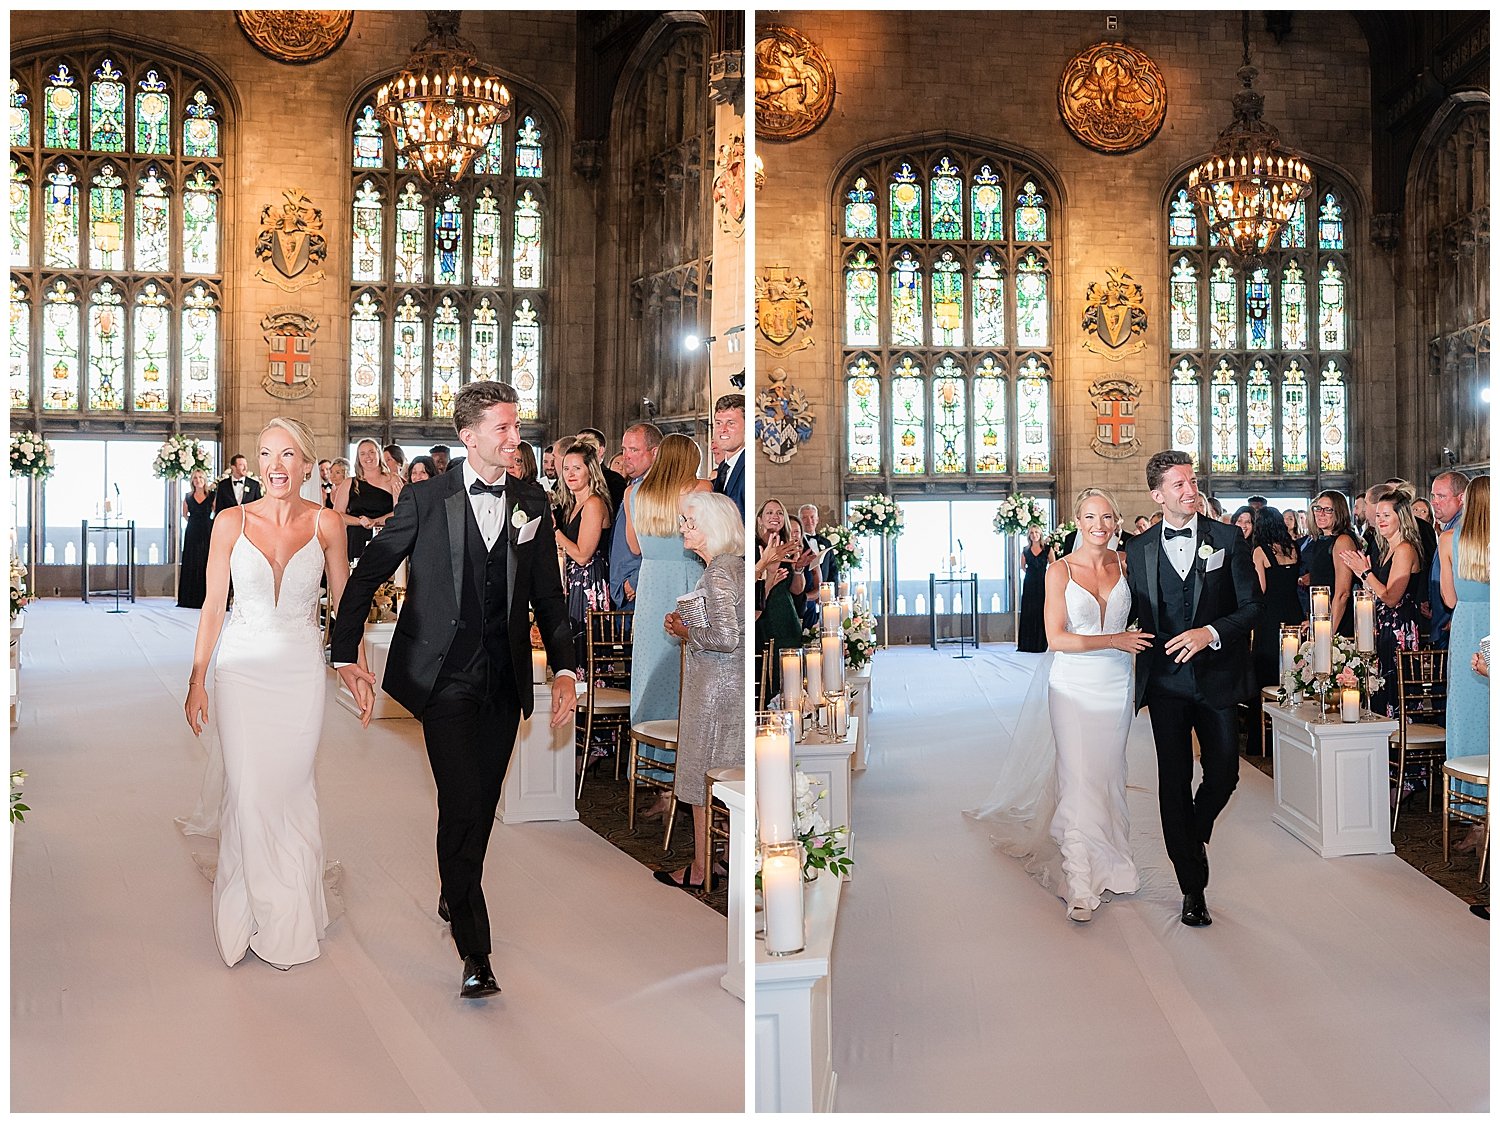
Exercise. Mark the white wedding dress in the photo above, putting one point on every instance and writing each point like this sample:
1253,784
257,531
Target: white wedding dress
1059,803
268,695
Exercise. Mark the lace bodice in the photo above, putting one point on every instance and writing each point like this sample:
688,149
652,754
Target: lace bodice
1083,609
259,604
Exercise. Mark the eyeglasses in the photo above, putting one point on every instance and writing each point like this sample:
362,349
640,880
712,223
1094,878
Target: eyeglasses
1322,510
686,523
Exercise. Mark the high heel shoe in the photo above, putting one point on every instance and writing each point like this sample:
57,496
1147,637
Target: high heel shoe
1080,912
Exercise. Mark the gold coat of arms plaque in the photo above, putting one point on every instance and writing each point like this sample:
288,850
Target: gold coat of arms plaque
1112,98
793,84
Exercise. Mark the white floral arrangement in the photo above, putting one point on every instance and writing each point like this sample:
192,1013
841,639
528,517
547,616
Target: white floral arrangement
1018,513
844,545
877,514
19,597
821,845
30,455
859,637
17,808
1346,663
179,457
1060,534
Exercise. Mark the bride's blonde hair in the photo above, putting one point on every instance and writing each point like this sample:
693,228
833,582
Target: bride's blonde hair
302,438
1090,493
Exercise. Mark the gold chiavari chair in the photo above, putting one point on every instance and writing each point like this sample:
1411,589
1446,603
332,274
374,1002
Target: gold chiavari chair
1467,806
610,641
717,827
653,756
1419,741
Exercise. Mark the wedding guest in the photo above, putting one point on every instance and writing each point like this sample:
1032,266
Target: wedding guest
638,448
614,479
1390,576
1422,510
1289,517
1447,508
1276,562
325,481
524,467
1031,634
1256,502
548,476
776,581
581,537
617,465
197,509
338,472
394,458
804,564
366,501
1464,583
1244,518
1333,535
421,468
711,732
828,569
439,454
729,430
1143,523
1423,591
237,487
1155,518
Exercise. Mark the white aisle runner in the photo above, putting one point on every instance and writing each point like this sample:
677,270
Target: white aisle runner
1351,984
611,997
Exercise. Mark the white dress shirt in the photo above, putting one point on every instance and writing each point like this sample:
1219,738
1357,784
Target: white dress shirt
1180,551
489,510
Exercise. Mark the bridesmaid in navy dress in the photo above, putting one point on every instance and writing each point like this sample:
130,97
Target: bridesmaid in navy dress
198,509
1032,633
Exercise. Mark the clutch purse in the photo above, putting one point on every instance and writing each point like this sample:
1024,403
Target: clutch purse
693,609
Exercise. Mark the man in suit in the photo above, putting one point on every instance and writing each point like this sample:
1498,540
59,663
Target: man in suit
1448,509
482,549
1194,590
729,433
828,569
439,454
237,487
638,450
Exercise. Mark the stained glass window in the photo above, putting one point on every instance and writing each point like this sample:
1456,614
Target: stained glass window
107,220
106,349
1331,316
526,358
1186,427
1330,224
1031,301
1293,307
861,301
948,301
906,203
1224,410
987,206
860,218
153,224
947,201
60,348
410,344
528,149
107,109
489,246
365,362
20,216
152,356
863,404
908,419
153,110
1031,215
906,301
1294,233
60,220
447,348
448,242
1333,420
20,117
484,344
61,120
1258,320
20,348
1033,417
989,302
950,428
1222,289
200,223
410,224
369,139
528,244
1293,418
491,160
200,132
1183,223
200,352
369,219
990,435
1259,442
1184,304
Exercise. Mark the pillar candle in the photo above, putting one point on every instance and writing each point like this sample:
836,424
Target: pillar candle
813,661
825,594
846,607
1350,703
1318,601
1322,647
773,778
1289,647
830,617
781,886
843,589
838,716
1364,621
791,680
859,593
833,663
538,665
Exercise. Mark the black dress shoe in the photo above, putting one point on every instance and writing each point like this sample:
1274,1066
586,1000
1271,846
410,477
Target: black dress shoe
443,910
666,878
479,980
1195,911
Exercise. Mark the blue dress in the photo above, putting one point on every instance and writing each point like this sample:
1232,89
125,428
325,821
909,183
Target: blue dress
668,571
1468,692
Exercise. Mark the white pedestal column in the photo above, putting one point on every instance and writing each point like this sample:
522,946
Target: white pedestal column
539,783
831,764
858,686
733,795
1332,780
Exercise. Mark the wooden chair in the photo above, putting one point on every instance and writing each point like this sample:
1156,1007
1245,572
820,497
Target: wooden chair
1467,806
718,822
655,742
1422,700
767,659
610,640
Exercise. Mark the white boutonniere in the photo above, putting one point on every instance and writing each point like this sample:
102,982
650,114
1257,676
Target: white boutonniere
1205,551
519,518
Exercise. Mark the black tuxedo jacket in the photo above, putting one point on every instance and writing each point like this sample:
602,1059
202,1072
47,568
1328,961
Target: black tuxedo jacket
429,526
224,493
1229,598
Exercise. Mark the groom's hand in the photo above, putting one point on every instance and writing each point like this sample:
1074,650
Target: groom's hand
1189,643
564,698
361,684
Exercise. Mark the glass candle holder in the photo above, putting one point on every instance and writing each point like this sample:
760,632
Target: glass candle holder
1364,621
791,679
1291,641
1320,602
774,790
781,890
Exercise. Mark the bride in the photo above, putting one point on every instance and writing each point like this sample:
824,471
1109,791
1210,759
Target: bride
268,689
1059,803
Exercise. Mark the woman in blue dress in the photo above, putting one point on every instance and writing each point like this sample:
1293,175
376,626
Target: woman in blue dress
1464,561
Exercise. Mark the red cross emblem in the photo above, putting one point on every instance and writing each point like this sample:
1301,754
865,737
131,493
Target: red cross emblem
291,358
1116,421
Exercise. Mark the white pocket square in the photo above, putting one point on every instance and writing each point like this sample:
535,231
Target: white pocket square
528,532
1215,560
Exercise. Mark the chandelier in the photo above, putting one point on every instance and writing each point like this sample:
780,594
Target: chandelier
442,107
1249,186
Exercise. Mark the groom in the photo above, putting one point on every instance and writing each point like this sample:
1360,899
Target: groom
1194,588
482,549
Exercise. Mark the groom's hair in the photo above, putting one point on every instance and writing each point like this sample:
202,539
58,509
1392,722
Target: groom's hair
473,398
1158,465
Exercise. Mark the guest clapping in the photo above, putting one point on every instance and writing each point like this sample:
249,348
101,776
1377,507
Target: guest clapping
1323,562
1390,576
581,538
366,502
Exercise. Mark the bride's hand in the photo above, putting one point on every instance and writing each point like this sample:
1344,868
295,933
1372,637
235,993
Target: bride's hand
196,707
1133,642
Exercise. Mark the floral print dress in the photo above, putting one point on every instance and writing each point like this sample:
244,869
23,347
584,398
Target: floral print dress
1397,628
587,583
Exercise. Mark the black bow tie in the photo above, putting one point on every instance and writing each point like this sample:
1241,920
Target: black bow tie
1168,533
479,487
